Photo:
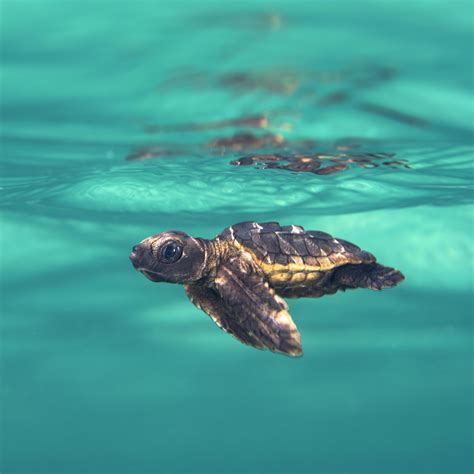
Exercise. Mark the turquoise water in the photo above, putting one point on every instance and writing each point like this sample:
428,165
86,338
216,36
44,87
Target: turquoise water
105,372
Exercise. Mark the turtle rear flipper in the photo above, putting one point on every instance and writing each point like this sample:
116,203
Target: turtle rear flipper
373,276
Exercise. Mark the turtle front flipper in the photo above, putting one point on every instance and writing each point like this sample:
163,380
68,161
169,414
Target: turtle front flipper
209,301
242,303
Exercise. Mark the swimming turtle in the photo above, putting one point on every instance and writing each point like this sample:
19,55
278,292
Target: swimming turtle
240,277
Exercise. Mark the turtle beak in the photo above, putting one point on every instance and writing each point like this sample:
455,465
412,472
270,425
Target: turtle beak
135,256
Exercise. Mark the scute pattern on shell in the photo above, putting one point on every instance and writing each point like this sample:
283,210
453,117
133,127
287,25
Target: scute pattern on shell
273,244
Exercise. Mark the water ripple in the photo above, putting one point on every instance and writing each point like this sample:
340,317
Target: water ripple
181,185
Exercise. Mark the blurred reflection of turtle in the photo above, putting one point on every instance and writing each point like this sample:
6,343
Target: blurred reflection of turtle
240,277
295,155
243,141
147,153
254,121
280,82
288,81
312,163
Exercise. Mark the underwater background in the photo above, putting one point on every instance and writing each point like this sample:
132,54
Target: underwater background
123,119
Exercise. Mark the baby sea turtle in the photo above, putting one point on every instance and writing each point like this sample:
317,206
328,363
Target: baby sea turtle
240,277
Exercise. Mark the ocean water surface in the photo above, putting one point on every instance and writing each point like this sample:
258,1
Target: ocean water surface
121,120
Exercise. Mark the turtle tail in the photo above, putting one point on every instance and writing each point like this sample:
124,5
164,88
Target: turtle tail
373,276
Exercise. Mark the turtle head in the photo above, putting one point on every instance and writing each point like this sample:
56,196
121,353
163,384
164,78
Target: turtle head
173,257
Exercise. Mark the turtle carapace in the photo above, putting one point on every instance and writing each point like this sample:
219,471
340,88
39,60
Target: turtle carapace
240,277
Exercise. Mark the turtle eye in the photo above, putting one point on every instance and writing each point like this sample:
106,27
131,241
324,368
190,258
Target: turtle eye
171,252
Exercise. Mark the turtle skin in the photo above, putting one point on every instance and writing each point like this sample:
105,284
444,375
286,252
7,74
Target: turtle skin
240,277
